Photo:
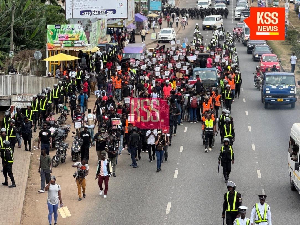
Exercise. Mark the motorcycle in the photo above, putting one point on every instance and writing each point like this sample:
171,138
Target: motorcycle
61,154
257,80
63,116
76,147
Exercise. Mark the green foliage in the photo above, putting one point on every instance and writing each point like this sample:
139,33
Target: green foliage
296,49
292,36
30,22
3,57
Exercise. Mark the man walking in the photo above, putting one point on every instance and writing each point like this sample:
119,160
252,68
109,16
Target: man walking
27,133
143,35
134,140
293,61
44,170
261,212
7,162
86,141
103,173
160,144
112,151
81,173
242,220
45,138
209,131
91,122
151,136
226,157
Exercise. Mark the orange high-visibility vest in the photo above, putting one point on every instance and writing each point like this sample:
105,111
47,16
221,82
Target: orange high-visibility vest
126,127
118,83
206,107
217,100
232,84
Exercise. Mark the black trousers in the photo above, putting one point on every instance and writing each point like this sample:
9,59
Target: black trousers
35,118
85,153
217,111
226,169
228,104
27,139
13,142
7,170
237,90
230,217
42,116
209,139
151,148
55,105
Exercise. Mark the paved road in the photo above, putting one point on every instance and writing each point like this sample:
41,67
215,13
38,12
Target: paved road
142,196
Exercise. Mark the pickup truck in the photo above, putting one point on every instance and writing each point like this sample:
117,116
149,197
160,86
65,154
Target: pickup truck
208,77
278,88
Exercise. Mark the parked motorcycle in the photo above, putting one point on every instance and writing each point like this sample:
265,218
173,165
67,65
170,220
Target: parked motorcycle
63,116
76,147
61,154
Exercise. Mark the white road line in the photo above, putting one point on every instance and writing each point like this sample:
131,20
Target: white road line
246,113
185,129
168,208
242,89
258,174
244,100
176,173
253,147
181,149
249,128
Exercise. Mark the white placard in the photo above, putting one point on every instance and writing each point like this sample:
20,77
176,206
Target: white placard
182,57
187,64
143,67
157,69
118,68
192,58
178,65
150,53
171,52
217,58
170,65
175,57
178,42
212,53
160,58
157,73
223,60
153,60
77,125
142,57
173,48
224,51
196,52
167,73
172,42
127,100
180,53
184,67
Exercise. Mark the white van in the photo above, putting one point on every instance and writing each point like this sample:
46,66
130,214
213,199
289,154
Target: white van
294,157
210,22
245,34
203,4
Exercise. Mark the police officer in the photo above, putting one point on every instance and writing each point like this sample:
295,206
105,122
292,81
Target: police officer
7,161
43,108
55,95
6,120
242,220
209,129
226,157
12,134
35,109
228,97
232,201
86,141
238,83
228,130
3,138
29,113
261,212
27,133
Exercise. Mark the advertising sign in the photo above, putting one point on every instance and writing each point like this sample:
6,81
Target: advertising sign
150,113
96,9
66,35
155,5
98,32
266,23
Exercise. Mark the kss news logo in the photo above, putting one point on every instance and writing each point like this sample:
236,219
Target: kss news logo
266,23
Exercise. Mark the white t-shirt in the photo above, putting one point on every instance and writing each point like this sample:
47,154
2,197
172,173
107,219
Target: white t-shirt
151,138
293,59
79,165
53,194
90,120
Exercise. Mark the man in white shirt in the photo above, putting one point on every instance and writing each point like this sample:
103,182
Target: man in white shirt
264,215
151,136
91,121
80,174
242,220
293,61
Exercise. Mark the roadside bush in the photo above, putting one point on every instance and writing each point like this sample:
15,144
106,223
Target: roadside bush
296,49
292,36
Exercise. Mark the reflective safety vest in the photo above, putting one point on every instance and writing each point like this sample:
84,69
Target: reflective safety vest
43,104
217,100
49,98
1,141
105,58
11,159
227,134
227,94
264,219
118,83
30,116
206,107
78,75
231,151
233,209
237,78
34,105
238,221
11,133
209,125
6,123
232,84
55,93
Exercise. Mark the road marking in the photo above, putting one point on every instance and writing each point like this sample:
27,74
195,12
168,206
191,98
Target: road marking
168,208
181,149
244,100
242,89
253,147
64,212
258,174
249,128
246,113
176,173
185,129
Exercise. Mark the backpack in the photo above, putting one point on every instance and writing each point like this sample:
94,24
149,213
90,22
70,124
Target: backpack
194,102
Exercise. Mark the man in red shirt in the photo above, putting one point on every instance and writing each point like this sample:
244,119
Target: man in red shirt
167,90
85,87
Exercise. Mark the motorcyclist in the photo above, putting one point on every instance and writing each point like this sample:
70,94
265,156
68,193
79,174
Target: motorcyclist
274,69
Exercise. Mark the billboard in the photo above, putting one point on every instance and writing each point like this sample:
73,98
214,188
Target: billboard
155,5
96,9
98,32
150,113
130,12
66,35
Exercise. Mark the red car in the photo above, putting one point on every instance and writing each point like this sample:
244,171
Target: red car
267,61
238,28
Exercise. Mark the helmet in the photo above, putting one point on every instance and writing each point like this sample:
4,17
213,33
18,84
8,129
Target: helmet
226,139
55,85
3,130
34,96
18,107
7,113
224,111
12,121
59,82
228,85
6,143
43,95
231,184
196,24
227,119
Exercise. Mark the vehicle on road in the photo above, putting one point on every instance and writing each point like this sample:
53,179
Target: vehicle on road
208,76
220,6
204,4
259,50
267,62
251,44
275,3
245,14
245,34
278,88
134,51
294,157
166,34
211,22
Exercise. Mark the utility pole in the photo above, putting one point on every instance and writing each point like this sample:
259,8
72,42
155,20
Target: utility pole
11,47
140,5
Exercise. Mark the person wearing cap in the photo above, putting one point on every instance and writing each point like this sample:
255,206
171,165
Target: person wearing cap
86,142
261,212
26,133
226,157
7,162
12,134
232,201
242,220
228,97
54,198
55,96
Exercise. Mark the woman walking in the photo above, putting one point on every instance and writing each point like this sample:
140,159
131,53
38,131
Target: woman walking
54,197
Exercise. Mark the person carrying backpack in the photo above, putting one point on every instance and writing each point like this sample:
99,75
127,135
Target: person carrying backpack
194,103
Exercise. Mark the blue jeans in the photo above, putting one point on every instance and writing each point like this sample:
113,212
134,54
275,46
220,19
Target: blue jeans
118,92
233,92
159,157
121,144
19,138
133,155
193,114
91,130
179,116
293,68
52,209
46,147
82,109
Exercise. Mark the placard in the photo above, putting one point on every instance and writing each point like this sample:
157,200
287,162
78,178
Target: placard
212,53
127,100
175,57
196,52
173,48
182,57
172,42
149,54
153,36
77,125
171,52
178,65
187,64
153,60
143,67
157,73
157,69
217,58
142,77
170,65
223,60
167,73
118,68
142,57
178,42
184,67
192,58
